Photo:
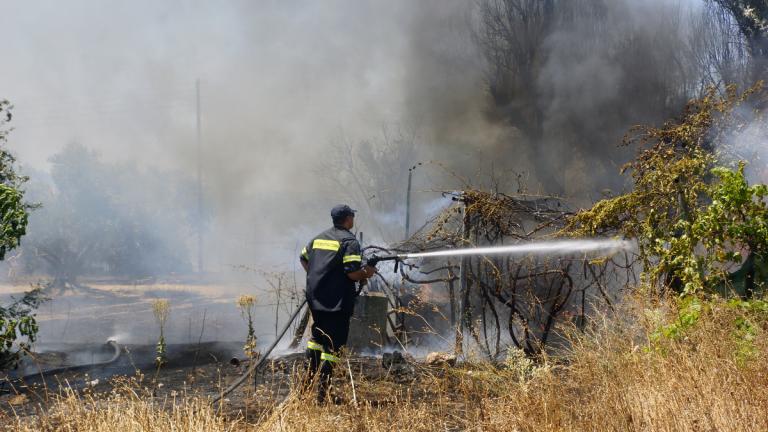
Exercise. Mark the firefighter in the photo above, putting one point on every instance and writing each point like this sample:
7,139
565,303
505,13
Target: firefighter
333,263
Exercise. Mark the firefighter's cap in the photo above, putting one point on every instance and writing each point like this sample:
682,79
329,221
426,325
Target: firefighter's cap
341,211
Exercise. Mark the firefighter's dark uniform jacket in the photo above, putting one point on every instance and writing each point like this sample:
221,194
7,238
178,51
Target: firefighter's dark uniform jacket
330,256
331,298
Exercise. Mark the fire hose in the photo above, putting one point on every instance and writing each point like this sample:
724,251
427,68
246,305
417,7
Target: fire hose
255,366
116,352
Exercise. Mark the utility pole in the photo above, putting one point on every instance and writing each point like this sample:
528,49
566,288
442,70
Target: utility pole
408,202
408,206
199,185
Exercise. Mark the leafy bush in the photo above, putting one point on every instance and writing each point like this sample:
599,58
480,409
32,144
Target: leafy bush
17,320
691,210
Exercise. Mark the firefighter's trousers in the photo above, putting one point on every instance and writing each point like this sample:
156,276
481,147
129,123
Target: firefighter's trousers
329,335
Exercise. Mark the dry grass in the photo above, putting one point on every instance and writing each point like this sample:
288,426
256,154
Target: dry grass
126,410
613,381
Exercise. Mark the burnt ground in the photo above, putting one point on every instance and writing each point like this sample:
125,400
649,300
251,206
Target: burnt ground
75,326
204,370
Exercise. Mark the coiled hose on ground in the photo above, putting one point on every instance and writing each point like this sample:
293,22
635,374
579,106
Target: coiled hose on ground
51,372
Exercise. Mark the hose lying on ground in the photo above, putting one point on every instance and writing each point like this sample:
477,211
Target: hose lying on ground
51,372
254,366
115,355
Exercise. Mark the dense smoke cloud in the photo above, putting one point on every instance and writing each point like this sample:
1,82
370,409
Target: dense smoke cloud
280,83
554,97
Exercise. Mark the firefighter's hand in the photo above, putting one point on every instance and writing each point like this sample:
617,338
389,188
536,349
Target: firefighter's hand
369,271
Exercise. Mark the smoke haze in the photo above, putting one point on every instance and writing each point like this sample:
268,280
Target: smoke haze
280,80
